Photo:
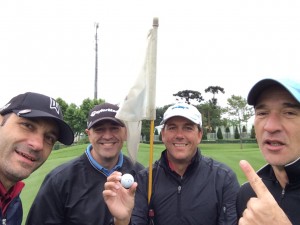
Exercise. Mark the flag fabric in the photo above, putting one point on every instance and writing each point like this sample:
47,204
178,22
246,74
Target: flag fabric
139,104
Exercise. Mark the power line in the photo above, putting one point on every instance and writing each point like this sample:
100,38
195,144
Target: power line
96,62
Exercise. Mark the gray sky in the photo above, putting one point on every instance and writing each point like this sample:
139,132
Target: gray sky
49,46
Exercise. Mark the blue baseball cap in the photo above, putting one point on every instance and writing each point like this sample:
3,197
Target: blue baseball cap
292,86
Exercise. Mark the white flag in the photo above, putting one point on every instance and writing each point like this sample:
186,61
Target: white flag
139,104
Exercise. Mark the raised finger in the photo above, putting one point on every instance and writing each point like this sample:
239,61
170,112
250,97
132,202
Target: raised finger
255,181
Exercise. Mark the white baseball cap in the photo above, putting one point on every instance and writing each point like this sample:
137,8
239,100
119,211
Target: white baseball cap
185,110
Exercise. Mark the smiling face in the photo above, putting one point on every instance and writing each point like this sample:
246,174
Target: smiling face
107,138
277,126
24,146
181,138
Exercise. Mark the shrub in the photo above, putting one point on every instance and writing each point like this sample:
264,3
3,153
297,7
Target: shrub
219,134
236,133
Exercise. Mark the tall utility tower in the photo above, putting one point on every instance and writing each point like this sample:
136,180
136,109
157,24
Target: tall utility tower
96,61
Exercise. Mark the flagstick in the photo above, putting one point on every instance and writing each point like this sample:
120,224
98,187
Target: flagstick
152,103
150,160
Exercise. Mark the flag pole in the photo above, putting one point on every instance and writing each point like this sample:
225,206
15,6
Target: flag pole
139,103
155,26
150,160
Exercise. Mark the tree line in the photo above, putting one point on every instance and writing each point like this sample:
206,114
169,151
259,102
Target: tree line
236,114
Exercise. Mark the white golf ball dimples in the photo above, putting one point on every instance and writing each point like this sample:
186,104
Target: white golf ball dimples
127,180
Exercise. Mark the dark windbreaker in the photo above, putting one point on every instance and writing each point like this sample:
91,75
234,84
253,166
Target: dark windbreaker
14,213
72,194
287,198
205,195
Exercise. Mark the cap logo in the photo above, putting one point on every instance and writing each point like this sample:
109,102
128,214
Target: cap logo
54,105
102,110
24,111
180,107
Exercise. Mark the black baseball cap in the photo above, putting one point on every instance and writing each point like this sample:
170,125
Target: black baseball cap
104,111
34,105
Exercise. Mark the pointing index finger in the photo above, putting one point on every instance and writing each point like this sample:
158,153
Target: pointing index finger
255,181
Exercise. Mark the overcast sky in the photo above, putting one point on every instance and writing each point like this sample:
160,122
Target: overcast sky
49,46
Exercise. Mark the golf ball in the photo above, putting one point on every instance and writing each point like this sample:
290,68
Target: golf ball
127,180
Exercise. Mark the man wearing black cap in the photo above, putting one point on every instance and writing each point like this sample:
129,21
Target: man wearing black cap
272,195
30,124
72,193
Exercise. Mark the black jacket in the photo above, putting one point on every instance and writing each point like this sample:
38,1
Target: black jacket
288,198
72,194
205,195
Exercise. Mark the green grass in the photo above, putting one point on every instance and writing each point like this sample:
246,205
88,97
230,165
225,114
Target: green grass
230,154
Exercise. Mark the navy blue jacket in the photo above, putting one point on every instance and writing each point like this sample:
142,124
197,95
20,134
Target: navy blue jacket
204,195
14,213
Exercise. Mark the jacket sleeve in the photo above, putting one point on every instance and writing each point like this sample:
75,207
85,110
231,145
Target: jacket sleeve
228,214
47,207
140,210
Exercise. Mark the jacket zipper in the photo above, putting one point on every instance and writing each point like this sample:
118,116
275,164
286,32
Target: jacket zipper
179,200
282,193
179,190
3,221
225,213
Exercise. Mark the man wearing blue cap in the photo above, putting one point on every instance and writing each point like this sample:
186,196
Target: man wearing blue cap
30,124
272,196
188,188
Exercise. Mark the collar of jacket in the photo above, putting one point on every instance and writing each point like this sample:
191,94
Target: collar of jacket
292,170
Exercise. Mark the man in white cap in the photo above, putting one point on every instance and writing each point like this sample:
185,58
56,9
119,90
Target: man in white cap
188,188
272,196
30,124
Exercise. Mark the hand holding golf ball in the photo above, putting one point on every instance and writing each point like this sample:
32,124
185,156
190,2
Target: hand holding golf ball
127,180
